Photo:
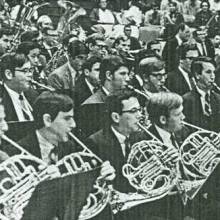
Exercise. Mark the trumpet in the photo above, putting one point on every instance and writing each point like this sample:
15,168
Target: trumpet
147,95
51,89
216,88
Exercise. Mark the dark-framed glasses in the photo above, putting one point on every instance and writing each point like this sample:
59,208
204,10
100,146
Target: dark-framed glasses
25,70
133,110
159,75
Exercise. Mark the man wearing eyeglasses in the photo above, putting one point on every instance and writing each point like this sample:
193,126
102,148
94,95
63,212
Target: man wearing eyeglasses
16,94
153,74
181,81
112,142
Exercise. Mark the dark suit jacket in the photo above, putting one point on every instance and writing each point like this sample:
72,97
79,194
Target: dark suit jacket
91,113
10,112
177,83
194,112
170,54
105,144
63,79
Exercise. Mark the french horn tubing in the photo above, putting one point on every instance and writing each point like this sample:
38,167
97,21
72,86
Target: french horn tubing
199,156
20,174
80,162
147,171
49,88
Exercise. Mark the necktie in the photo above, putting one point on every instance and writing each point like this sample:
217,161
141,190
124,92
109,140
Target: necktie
24,109
127,147
203,50
173,141
53,155
207,106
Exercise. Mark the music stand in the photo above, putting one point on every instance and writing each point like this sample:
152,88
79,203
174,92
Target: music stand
61,197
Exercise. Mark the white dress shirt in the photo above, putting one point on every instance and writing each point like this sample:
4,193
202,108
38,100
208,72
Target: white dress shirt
106,16
199,46
121,139
186,77
91,87
18,106
45,149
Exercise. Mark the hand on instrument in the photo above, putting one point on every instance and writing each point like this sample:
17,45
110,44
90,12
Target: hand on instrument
107,171
171,155
52,170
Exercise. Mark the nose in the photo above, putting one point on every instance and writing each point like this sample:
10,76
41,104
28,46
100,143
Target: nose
73,123
127,78
182,117
163,79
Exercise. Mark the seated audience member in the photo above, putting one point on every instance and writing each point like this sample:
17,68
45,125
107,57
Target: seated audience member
113,76
17,97
180,80
190,9
153,16
202,104
164,5
6,38
101,14
64,77
203,16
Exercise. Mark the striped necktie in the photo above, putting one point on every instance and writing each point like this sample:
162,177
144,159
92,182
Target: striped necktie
23,107
207,107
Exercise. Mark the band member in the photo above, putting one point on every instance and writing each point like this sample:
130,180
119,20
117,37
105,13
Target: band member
153,74
180,81
113,76
112,142
17,97
202,104
165,112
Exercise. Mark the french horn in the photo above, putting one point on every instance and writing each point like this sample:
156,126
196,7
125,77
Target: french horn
148,172
199,156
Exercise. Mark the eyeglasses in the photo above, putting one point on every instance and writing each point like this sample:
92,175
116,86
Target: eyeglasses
133,110
25,70
159,76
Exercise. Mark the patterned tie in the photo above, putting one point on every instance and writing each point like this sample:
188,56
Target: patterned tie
207,109
127,147
173,140
23,107
203,49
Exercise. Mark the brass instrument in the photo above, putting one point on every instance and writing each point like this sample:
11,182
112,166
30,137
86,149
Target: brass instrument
81,162
20,176
147,95
33,82
199,155
216,88
148,172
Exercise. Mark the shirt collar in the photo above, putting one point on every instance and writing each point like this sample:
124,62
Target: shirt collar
182,70
179,40
12,92
121,138
91,87
105,91
201,92
165,135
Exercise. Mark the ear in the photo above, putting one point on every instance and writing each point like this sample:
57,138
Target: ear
86,72
108,75
47,120
8,74
115,117
163,120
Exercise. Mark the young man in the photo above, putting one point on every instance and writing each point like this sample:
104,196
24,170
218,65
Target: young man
17,96
153,74
112,142
202,104
6,37
114,75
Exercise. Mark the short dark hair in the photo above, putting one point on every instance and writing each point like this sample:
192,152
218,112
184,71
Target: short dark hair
197,64
91,61
110,63
160,104
204,1
150,64
114,102
6,31
26,46
10,62
76,48
50,103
